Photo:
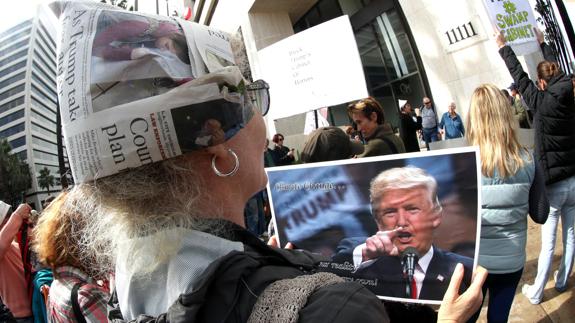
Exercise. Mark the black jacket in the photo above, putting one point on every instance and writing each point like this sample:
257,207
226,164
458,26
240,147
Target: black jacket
408,132
554,120
280,156
228,289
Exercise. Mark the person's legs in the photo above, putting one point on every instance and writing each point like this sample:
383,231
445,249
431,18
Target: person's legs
548,235
502,289
567,222
427,136
434,136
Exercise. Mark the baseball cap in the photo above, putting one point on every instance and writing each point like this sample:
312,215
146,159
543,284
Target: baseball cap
513,86
329,143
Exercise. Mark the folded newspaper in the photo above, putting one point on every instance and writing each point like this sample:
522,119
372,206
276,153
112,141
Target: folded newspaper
136,88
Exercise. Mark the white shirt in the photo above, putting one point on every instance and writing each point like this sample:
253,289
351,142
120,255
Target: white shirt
155,293
420,268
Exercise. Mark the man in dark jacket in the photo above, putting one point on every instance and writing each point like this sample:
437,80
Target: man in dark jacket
554,122
408,126
368,115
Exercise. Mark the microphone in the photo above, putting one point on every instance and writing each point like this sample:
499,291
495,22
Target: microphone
409,258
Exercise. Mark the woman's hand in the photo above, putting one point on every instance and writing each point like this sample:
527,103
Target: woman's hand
273,242
459,308
539,34
500,39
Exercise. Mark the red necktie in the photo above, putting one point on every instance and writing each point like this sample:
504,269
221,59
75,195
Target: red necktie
413,289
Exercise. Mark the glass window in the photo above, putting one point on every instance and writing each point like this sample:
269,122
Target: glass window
349,7
16,28
18,45
54,170
50,89
12,68
391,33
12,79
44,143
18,142
43,58
12,104
14,57
329,9
48,34
41,94
11,117
23,155
45,156
11,92
39,129
49,109
41,117
15,36
49,78
12,130
46,45
313,18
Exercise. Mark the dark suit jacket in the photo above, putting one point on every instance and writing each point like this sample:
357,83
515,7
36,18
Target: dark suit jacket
389,274
408,132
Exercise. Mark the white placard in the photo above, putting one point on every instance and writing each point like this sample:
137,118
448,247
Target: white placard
315,68
514,18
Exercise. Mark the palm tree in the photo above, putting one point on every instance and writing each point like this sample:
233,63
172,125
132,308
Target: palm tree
14,175
45,180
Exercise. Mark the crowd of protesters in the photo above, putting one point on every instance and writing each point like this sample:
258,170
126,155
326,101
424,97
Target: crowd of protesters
167,241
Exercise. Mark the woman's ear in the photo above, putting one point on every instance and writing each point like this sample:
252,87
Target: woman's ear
219,150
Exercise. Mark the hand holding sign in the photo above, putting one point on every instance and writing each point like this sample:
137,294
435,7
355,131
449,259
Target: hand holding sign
499,39
539,34
380,244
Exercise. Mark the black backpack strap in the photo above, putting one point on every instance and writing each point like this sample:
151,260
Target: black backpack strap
75,306
390,144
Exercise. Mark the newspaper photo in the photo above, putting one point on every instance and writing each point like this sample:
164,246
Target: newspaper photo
136,89
397,224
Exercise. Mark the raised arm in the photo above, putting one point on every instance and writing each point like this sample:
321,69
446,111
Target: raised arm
526,87
11,227
548,54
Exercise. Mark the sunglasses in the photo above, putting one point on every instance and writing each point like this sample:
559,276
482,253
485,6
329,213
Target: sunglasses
428,102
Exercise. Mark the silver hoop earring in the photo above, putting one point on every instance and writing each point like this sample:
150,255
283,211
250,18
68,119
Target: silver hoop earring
233,171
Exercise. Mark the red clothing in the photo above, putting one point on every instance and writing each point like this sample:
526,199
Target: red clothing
13,285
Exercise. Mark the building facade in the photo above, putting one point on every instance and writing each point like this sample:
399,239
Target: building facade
409,48
28,99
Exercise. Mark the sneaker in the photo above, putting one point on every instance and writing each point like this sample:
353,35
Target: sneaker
525,291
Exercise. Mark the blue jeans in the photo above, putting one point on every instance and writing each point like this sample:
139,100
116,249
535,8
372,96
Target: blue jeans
501,288
429,135
562,200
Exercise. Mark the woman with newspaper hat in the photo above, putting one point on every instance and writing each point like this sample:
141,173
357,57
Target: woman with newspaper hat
170,222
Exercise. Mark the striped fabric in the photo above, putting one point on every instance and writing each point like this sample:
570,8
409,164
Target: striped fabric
92,298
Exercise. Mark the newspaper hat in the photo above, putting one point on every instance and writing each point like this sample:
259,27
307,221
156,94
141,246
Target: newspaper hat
135,89
329,143
4,209
402,103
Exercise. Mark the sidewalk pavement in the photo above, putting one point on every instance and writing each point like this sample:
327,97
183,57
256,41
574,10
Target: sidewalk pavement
555,307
